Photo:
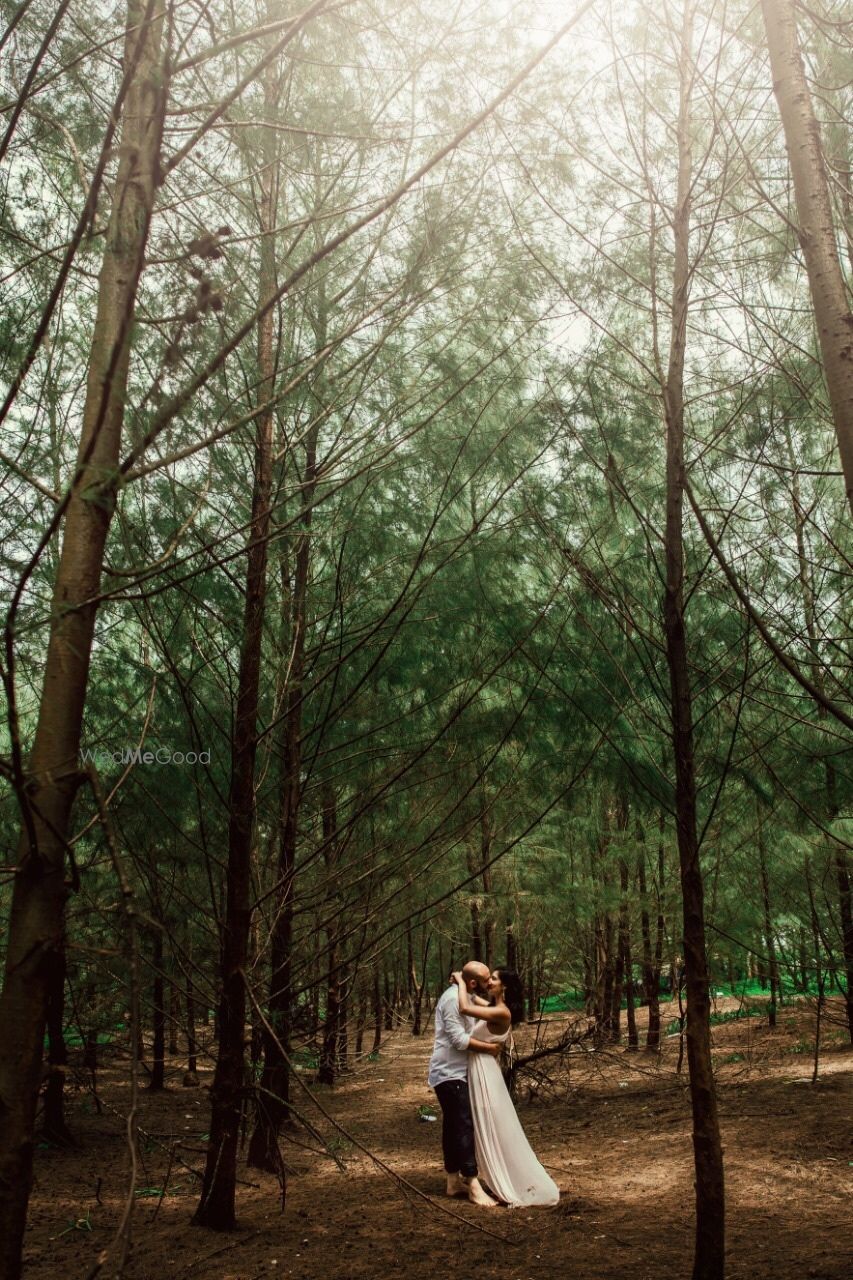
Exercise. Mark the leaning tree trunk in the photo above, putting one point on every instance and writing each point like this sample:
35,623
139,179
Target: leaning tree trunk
36,918
216,1207
816,230
709,1257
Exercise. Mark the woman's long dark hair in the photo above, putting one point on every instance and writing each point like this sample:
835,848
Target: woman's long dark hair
513,994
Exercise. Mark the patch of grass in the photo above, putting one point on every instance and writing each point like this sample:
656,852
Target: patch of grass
727,1015
802,1046
734,1015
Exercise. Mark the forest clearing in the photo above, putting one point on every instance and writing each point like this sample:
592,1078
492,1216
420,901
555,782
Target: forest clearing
426,478
614,1129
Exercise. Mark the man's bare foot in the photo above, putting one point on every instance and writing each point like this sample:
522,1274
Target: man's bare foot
477,1195
455,1185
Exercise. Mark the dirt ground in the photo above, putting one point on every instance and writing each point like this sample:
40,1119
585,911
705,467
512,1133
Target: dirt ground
614,1132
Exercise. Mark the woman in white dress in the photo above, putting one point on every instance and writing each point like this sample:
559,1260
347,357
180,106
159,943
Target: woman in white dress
505,1158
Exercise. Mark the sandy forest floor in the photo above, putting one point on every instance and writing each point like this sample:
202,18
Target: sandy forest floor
615,1134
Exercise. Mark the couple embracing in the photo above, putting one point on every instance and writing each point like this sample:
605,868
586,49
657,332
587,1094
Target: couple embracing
482,1136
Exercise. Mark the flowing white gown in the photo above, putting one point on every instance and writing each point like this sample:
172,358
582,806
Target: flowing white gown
505,1158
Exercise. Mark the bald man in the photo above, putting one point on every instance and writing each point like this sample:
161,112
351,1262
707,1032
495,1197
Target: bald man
448,1076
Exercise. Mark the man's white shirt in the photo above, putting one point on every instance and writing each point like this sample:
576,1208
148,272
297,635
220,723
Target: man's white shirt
449,1059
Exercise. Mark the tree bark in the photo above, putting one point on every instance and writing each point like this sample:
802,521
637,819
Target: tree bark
55,1128
842,878
474,907
846,906
627,958
158,998
651,975
486,838
377,1011
816,230
174,1013
331,1025
38,900
773,967
511,947
709,1257
216,1208
192,1051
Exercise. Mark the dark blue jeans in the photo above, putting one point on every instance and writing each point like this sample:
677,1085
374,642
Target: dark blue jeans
457,1128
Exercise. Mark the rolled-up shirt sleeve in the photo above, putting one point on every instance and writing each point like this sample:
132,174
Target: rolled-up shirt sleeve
455,1028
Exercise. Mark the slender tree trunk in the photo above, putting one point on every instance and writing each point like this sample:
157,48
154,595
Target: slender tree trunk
216,1208
342,1046
768,927
192,1051
377,1011
603,962
158,999
842,878
660,927
709,1257
511,948
486,838
38,902
651,978
627,958
420,987
331,1025
362,1007
474,907
846,905
816,230
605,974
532,991
389,1004
274,1094
174,1014
820,977
618,986
804,959
55,1128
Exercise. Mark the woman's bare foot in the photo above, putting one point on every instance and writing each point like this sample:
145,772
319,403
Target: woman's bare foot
477,1195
